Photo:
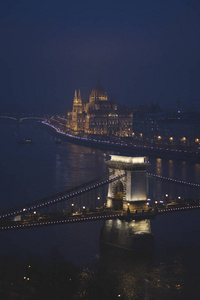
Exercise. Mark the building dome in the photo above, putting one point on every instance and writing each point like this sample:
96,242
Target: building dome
98,90
98,94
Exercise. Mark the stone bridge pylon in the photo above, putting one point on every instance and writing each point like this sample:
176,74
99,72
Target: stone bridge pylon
129,192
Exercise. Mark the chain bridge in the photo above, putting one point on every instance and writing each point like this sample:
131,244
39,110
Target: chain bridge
121,193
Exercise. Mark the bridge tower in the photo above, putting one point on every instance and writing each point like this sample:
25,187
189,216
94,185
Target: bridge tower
129,192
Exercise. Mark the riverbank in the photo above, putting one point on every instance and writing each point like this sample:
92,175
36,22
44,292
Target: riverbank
122,147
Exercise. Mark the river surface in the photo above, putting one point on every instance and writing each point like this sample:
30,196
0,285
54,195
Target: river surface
30,172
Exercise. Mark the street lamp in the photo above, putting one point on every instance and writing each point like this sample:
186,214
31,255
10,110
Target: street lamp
183,139
166,197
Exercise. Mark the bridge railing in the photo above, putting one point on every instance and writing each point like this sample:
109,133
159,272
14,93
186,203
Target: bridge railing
169,179
60,197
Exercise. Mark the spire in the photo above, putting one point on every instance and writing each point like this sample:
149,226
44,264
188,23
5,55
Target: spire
79,94
75,95
77,104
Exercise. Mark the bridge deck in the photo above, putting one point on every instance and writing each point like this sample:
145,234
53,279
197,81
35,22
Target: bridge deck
61,197
104,214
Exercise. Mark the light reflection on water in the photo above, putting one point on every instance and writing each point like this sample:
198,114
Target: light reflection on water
197,172
181,170
132,236
171,168
43,168
159,166
184,171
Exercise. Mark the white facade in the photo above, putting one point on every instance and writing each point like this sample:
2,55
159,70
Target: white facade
132,187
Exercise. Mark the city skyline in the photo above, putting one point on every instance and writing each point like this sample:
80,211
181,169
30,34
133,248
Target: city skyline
100,152
142,52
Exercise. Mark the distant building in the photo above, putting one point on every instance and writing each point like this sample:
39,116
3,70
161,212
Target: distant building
172,128
99,116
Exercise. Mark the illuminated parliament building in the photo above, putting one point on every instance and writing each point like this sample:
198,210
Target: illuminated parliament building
99,115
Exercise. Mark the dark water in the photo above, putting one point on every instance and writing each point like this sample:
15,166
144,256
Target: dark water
169,266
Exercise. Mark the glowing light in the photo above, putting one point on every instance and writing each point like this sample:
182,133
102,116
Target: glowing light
183,139
171,138
159,137
126,159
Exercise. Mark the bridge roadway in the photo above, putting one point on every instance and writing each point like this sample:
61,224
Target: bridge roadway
103,214
61,197
62,219
178,208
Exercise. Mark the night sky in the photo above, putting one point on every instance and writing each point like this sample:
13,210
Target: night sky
142,51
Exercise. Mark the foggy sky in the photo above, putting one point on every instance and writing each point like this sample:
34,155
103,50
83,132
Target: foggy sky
142,51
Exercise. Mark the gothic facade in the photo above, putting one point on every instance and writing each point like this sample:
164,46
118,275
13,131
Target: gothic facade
99,116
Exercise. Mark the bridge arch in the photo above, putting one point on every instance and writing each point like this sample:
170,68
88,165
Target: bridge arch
118,195
118,190
20,119
130,190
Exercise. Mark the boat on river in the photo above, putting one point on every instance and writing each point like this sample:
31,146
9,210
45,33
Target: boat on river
25,141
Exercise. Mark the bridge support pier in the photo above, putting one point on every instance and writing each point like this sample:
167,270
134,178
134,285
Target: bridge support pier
129,192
